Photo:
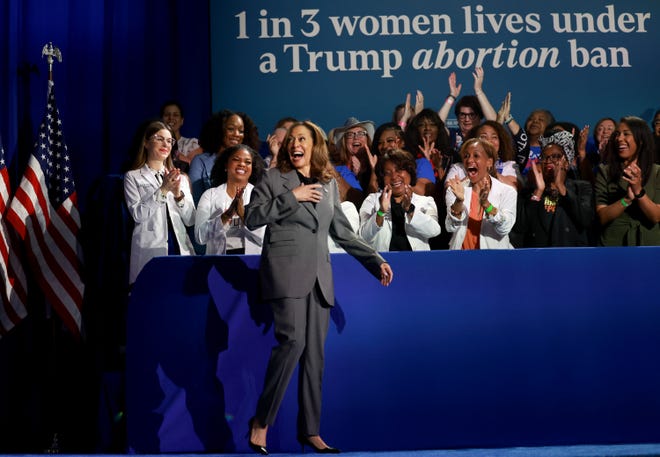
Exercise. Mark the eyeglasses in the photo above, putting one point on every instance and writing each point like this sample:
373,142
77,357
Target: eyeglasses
467,115
162,139
360,134
552,157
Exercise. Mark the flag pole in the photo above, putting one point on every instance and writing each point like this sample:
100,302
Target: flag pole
51,53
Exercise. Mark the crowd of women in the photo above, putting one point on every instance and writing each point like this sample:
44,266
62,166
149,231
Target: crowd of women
411,184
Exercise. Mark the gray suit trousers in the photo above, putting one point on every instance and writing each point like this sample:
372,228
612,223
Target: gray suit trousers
301,326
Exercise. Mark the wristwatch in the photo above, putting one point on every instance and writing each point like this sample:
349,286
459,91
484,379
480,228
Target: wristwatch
640,194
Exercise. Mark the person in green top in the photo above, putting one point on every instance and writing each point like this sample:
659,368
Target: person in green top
627,188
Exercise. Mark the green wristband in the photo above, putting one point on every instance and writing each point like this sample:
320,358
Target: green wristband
490,209
625,203
380,213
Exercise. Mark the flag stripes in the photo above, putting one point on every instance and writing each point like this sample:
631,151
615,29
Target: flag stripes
44,213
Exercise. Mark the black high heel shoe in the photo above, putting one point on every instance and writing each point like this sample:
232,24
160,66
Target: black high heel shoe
255,447
304,441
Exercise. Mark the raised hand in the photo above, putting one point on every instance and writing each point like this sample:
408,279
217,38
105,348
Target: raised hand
385,198
457,188
538,177
407,112
373,158
478,79
355,165
454,90
632,174
428,148
172,181
505,109
238,203
438,165
419,102
484,190
406,198
560,174
582,142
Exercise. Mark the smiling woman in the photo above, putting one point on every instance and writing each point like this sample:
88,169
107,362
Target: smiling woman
396,218
159,200
299,204
220,219
627,199
484,222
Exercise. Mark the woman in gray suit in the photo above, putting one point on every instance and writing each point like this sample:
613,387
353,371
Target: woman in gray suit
298,201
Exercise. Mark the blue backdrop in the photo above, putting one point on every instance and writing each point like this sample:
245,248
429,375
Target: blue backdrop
330,60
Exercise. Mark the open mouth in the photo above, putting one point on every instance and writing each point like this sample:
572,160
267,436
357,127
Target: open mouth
472,171
297,155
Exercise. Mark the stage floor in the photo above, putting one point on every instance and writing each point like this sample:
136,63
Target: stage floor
622,450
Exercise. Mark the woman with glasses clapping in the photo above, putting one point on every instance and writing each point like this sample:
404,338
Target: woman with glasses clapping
159,200
559,210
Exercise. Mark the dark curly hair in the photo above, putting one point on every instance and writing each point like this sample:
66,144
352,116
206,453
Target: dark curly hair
414,138
505,152
403,160
212,136
396,128
219,170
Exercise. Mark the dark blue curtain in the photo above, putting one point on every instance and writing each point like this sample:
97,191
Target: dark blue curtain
121,60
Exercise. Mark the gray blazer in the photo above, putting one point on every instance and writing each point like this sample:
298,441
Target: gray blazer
295,250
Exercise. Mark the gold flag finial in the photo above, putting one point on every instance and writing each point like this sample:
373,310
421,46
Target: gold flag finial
51,52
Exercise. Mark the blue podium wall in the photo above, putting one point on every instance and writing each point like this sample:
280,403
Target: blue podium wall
464,349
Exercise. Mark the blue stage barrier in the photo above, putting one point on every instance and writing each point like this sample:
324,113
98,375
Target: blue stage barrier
530,347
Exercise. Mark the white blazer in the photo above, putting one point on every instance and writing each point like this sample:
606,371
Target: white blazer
494,230
149,210
209,229
353,218
422,226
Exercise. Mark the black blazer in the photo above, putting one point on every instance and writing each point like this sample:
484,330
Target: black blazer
568,226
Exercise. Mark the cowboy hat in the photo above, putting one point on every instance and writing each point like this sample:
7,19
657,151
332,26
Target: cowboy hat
350,123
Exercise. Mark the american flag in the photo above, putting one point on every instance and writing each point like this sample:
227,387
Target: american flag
13,285
45,214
